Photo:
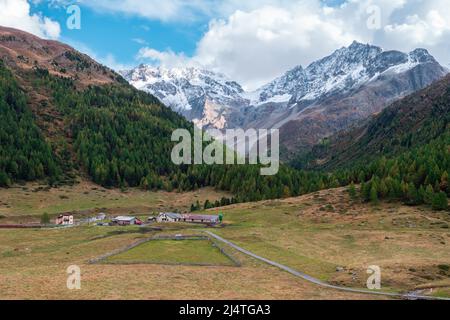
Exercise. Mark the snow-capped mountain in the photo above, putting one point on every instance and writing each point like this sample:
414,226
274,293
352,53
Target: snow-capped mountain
307,104
204,97
344,70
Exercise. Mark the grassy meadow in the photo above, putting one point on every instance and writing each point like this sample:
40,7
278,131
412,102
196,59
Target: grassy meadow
336,239
326,235
29,202
175,252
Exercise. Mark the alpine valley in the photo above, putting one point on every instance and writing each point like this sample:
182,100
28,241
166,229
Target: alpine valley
306,104
366,133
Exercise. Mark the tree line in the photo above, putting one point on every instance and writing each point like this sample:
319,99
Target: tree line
121,138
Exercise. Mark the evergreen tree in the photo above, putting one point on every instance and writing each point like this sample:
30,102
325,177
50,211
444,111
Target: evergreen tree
207,205
429,194
440,201
45,218
374,194
412,196
4,180
352,190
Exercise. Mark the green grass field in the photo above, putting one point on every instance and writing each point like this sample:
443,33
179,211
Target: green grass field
22,204
315,234
320,233
178,252
33,265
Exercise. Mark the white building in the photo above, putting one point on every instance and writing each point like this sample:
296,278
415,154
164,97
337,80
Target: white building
169,217
64,220
190,218
126,221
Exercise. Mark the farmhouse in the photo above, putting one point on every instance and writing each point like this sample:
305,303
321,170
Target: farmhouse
198,218
64,220
101,216
169,217
126,221
190,218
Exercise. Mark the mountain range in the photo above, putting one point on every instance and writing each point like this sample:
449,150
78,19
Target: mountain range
412,122
306,104
65,118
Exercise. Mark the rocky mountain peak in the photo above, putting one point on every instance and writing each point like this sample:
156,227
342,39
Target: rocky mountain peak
20,50
421,56
374,76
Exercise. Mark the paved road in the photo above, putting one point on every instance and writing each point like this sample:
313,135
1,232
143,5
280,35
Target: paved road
317,281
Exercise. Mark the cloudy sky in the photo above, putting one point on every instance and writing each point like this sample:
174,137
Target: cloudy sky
251,41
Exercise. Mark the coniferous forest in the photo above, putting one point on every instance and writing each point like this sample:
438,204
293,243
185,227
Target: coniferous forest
120,137
24,152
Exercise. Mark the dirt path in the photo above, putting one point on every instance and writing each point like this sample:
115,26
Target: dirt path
317,281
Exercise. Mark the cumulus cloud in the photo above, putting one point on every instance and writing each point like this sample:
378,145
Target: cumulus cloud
17,14
254,46
428,25
254,41
168,58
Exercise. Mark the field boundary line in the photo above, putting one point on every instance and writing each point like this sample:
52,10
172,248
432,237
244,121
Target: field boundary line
101,259
320,282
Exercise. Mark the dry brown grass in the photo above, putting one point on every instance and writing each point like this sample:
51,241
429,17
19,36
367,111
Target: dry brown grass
320,232
315,233
34,266
26,203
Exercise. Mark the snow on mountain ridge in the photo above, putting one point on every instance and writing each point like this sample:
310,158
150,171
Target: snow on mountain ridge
177,87
346,69
213,100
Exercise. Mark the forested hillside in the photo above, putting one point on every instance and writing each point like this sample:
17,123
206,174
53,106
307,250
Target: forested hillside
65,118
120,137
24,153
403,153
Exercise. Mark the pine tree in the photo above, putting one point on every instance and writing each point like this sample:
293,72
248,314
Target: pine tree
440,201
383,189
412,196
286,192
45,218
207,205
4,180
365,191
374,193
429,195
352,190
444,183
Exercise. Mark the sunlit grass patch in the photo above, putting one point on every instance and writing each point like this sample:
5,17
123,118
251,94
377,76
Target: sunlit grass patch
174,252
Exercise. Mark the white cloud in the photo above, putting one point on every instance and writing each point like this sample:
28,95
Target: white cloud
256,45
16,14
167,10
176,10
166,58
140,41
254,41
110,61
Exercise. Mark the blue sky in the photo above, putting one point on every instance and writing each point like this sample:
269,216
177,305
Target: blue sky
115,38
123,35
251,41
